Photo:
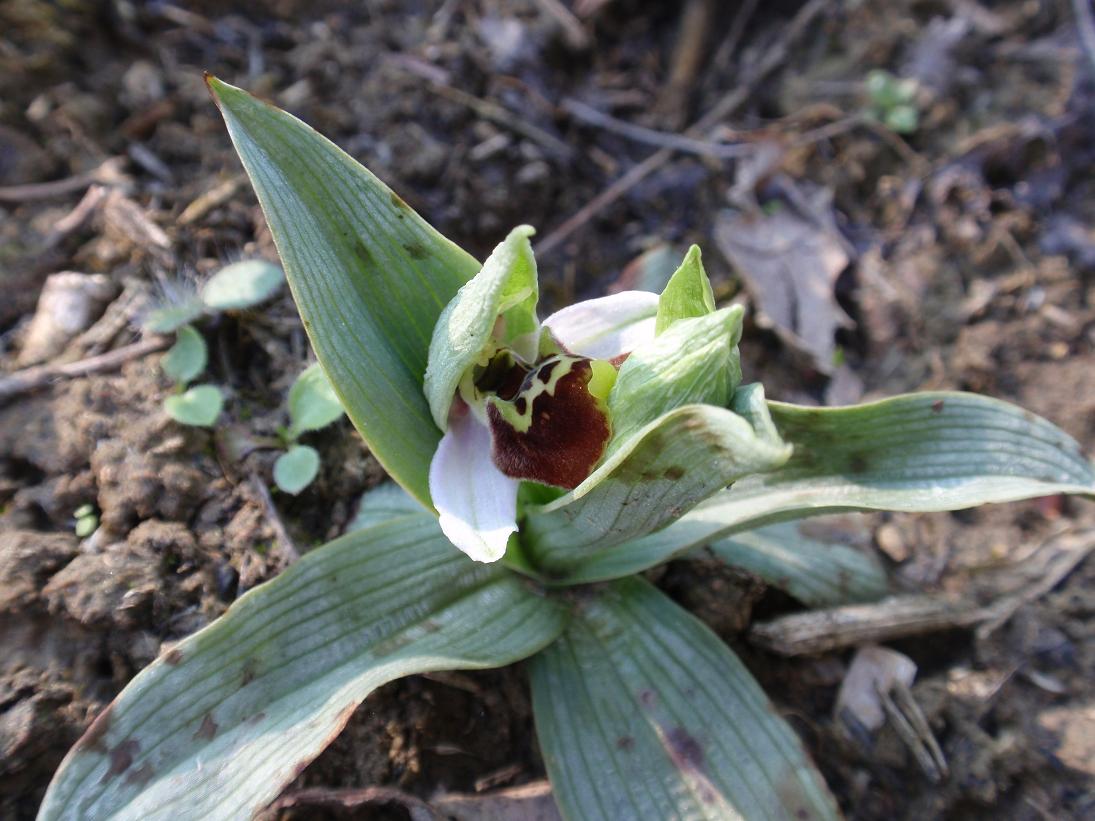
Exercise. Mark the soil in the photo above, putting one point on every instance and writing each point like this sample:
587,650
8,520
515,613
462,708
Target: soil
970,266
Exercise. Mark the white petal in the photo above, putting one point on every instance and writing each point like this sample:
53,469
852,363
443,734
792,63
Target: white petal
607,327
477,503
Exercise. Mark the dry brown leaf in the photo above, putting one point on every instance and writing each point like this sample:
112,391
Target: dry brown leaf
789,260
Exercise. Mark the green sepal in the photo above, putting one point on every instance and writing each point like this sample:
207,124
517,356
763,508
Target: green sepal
687,294
696,361
503,293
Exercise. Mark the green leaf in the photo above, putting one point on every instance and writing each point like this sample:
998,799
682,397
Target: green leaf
200,406
187,357
369,276
383,502
667,468
917,452
903,119
817,572
687,294
170,318
507,288
86,525
313,403
295,469
641,712
217,726
696,361
242,284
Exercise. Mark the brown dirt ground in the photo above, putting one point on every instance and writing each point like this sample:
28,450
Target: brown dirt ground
972,268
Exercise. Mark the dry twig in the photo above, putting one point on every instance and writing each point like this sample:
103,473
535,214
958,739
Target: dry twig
730,102
29,379
484,108
649,136
108,172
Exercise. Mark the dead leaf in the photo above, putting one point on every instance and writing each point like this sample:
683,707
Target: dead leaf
874,671
789,256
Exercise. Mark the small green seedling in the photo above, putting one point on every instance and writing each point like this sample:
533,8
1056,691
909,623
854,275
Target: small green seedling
544,466
200,405
87,520
235,287
892,101
312,405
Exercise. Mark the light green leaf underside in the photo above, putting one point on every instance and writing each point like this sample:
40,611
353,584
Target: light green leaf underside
369,276
168,318
243,284
199,406
917,452
667,468
642,712
295,469
696,361
816,572
507,287
313,403
687,294
383,502
216,728
187,357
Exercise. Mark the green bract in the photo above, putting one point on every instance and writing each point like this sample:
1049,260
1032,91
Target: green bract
641,711
504,293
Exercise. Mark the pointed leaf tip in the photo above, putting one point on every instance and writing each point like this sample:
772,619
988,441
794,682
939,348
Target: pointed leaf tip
369,276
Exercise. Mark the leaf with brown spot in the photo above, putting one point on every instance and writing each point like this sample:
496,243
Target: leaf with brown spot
92,739
369,276
121,757
707,746
208,729
391,600
639,489
895,454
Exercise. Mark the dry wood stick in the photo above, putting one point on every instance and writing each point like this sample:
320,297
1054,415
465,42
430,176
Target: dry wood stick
29,379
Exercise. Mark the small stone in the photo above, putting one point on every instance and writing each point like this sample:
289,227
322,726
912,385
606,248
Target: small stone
891,542
69,303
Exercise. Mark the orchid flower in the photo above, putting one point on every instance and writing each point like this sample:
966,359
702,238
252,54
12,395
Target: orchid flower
517,399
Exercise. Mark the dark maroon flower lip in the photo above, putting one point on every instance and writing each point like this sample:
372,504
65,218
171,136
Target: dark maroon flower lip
554,430
541,415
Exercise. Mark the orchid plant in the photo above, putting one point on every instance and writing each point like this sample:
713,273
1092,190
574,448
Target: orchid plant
563,458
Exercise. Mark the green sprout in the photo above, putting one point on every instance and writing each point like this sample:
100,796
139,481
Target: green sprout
543,465
234,287
892,101
87,520
313,405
